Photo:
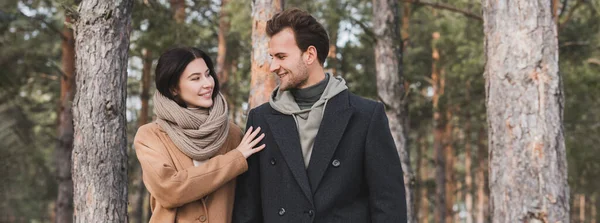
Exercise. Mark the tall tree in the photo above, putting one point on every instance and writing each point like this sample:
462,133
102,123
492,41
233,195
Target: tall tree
64,148
524,100
262,82
390,86
449,159
480,180
224,25
438,86
468,159
100,146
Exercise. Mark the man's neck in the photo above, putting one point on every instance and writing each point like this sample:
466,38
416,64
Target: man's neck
314,77
308,96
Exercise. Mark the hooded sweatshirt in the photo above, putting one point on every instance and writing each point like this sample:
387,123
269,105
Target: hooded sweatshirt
307,120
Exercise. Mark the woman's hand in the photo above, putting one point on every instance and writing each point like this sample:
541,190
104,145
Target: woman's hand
247,144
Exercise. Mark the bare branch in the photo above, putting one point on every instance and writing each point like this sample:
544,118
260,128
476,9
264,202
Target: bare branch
569,14
447,7
40,21
593,61
365,28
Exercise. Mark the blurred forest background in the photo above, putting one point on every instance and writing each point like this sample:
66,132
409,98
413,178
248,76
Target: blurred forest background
442,44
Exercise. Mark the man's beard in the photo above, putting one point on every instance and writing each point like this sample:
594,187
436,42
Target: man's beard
296,80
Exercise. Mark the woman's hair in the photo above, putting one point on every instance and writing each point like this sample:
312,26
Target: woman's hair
171,65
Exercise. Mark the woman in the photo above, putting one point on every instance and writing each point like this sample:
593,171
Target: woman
191,154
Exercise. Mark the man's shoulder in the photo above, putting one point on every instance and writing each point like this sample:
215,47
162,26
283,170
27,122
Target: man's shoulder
262,109
362,104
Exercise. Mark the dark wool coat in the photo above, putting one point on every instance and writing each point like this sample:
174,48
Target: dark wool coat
354,174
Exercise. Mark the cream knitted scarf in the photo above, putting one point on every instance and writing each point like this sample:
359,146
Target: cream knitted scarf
197,133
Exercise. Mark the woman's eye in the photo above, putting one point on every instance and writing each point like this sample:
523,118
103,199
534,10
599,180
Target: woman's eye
195,78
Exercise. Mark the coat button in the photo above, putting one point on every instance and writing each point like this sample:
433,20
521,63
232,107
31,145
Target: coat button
281,212
336,163
273,162
203,218
311,213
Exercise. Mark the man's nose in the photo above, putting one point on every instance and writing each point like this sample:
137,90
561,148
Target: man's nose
274,66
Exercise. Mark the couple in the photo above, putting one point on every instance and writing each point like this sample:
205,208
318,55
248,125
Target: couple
323,154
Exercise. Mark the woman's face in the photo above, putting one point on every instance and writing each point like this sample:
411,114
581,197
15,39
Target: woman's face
196,85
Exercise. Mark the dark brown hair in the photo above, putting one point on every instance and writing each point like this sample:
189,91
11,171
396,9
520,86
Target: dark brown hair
307,30
171,65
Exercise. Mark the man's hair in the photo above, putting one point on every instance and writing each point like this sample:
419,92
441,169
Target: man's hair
307,30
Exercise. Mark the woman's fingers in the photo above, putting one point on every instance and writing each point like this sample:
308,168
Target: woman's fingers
258,149
256,140
248,132
253,135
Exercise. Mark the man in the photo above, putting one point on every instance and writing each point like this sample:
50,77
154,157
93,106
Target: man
329,154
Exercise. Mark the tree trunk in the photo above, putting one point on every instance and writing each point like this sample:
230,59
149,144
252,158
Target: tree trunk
262,81
178,9
450,160
423,176
480,177
64,199
459,195
222,73
594,206
581,208
406,11
100,145
468,159
390,87
438,133
139,190
333,25
524,100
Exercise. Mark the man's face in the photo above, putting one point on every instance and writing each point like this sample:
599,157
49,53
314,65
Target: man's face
288,62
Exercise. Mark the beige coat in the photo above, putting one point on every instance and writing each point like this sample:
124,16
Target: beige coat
181,192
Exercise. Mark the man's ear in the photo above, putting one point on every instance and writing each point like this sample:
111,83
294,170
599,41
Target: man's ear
310,55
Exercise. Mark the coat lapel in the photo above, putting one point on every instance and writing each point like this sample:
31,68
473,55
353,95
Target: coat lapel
285,133
335,119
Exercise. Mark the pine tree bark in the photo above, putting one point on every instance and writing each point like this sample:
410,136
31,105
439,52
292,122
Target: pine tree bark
262,81
64,199
100,145
524,100
390,87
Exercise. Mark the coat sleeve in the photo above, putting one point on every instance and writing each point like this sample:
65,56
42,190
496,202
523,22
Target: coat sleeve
247,206
384,175
173,188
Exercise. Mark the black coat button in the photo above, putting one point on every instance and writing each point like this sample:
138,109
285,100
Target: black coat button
311,213
336,163
273,161
281,212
